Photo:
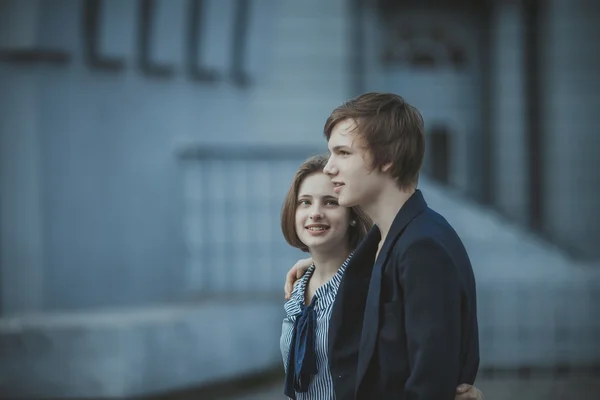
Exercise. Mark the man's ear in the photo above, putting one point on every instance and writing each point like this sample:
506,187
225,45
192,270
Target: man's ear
386,167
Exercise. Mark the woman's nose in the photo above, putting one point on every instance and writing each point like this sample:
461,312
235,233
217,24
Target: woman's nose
316,215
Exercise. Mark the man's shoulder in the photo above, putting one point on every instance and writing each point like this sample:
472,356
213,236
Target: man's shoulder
427,226
429,230
430,217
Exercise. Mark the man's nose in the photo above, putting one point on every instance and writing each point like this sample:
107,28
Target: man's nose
330,168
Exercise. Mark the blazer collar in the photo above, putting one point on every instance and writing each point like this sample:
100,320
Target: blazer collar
346,315
414,206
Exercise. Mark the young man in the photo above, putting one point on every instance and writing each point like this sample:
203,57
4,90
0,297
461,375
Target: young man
419,336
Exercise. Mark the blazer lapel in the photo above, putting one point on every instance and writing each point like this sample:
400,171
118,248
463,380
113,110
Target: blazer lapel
413,207
352,293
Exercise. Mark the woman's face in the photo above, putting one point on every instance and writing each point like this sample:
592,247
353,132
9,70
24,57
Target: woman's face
321,223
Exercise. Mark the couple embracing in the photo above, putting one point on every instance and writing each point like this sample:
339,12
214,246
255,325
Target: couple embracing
385,307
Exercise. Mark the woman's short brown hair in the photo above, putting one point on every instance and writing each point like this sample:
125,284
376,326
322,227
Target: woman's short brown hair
313,165
393,131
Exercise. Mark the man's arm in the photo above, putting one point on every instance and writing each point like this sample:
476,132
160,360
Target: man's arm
294,274
432,316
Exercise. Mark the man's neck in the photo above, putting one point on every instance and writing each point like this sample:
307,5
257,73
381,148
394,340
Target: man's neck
385,207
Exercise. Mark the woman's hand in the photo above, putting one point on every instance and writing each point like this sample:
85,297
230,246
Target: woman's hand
294,274
468,392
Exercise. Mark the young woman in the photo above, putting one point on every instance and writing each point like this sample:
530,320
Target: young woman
313,221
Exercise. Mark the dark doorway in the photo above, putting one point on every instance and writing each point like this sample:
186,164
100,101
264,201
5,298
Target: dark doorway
439,148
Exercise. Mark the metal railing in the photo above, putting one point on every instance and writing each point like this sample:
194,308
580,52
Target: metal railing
232,206
540,326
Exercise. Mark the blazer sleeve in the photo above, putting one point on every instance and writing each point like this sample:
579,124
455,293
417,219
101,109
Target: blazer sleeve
432,295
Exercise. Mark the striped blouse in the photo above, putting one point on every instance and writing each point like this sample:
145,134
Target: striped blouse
321,386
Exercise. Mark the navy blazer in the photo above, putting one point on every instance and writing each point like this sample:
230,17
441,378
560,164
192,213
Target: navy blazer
346,322
419,337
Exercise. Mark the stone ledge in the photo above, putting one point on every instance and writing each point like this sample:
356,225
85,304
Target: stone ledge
125,353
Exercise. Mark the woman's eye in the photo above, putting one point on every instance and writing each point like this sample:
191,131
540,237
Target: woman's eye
304,202
331,203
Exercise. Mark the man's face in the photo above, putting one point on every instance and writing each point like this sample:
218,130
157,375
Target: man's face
350,167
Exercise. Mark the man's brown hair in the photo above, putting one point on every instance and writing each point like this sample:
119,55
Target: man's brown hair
316,164
393,131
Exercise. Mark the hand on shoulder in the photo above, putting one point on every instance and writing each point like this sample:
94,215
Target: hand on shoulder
294,274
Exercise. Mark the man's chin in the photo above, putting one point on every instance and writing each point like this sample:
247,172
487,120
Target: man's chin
346,202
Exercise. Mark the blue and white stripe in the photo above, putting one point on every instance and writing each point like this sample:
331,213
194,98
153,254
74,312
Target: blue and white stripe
321,387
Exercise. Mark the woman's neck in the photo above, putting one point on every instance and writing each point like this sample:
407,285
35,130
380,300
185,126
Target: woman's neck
328,263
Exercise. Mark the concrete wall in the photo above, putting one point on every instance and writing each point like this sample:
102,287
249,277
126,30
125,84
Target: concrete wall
97,254
445,96
571,87
93,214
568,101
91,194
569,84
21,196
94,237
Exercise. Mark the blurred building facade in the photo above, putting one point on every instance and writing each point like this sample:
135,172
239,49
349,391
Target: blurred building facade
142,141
514,85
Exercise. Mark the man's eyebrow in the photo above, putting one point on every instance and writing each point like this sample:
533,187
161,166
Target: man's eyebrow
339,147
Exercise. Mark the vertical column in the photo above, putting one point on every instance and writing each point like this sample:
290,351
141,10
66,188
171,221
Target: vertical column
508,119
21,245
570,101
